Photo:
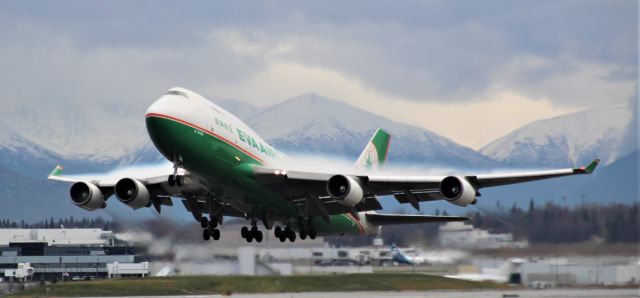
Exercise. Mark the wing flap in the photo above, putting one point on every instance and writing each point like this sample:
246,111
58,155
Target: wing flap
401,219
331,206
404,198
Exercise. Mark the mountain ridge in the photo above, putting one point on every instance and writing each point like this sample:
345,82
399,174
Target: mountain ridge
567,140
309,123
321,121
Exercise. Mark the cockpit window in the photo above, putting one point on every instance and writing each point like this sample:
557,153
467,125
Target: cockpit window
176,92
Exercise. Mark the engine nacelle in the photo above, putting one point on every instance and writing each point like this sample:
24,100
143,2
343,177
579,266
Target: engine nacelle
458,191
345,189
87,196
133,193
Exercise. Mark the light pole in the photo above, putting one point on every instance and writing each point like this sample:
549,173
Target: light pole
61,270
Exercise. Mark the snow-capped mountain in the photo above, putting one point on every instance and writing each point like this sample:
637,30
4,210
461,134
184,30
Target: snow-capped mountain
99,134
21,155
311,123
567,140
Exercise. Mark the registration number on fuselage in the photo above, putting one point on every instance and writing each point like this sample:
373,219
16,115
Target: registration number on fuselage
198,132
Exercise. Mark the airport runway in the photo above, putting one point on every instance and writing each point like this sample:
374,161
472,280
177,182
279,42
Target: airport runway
515,293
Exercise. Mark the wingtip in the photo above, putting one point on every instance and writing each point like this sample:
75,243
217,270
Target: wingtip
592,166
57,171
589,168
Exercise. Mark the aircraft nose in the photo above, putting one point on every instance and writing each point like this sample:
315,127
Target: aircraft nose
170,103
159,107
164,119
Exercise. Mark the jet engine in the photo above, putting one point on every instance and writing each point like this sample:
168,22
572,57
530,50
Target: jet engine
458,191
133,193
345,189
87,196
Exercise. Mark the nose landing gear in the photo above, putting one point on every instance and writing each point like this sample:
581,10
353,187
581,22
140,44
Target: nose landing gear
176,179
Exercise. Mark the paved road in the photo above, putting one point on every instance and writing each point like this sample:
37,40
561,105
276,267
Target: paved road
516,293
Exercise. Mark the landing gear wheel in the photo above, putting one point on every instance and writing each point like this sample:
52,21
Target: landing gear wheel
179,180
171,180
282,238
289,233
244,232
249,237
206,235
255,234
312,233
204,222
303,234
278,232
215,234
292,236
213,223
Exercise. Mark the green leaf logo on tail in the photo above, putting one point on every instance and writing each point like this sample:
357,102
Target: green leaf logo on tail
367,162
374,154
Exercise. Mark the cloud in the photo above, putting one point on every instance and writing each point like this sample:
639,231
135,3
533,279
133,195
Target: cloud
442,62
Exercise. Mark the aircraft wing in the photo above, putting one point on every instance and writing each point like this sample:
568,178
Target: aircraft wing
194,196
106,182
503,179
300,186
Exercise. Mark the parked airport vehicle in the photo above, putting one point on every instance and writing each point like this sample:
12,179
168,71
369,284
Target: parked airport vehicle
507,273
222,168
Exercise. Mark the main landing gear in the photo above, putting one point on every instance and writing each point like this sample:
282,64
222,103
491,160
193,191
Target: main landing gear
251,234
288,233
284,234
306,229
210,229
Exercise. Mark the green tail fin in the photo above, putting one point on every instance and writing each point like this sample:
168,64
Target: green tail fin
374,154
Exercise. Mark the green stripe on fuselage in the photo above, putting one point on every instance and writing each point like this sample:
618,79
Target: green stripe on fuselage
214,162
340,223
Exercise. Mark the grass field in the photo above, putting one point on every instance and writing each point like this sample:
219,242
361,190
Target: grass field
194,285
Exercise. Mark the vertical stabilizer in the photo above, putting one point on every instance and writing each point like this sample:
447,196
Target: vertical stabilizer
374,154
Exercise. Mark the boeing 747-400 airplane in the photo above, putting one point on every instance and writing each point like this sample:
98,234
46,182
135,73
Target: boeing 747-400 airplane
222,168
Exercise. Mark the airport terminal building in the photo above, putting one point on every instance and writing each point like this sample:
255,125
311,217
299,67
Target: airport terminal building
55,254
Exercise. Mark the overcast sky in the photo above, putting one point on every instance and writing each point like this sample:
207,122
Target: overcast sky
469,70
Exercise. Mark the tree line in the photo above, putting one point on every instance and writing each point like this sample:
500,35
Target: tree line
554,223
549,223
51,223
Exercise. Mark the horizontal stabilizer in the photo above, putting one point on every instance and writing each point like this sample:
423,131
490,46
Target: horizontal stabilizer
400,219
